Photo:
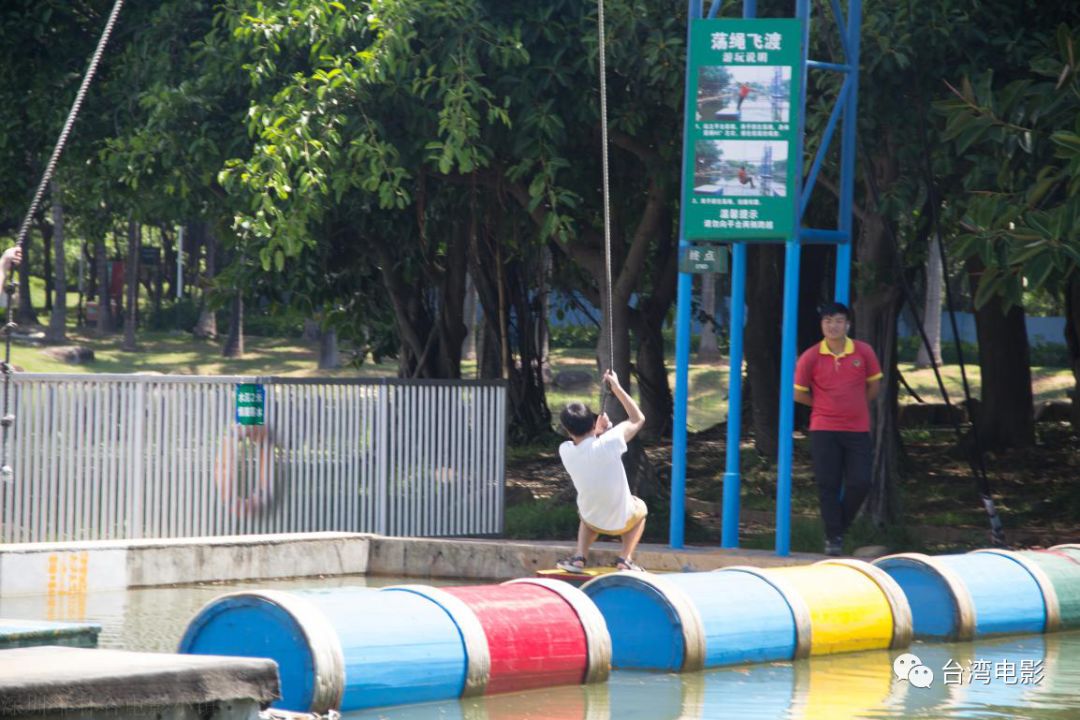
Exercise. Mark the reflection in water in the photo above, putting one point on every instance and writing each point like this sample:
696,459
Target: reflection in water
826,687
832,687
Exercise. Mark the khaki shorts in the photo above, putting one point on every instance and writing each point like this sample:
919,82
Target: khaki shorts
640,511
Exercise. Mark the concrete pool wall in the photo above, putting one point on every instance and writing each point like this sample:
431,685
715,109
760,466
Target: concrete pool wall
74,568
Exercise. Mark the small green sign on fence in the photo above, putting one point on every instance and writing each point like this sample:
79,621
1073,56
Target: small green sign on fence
739,173
704,259
250,404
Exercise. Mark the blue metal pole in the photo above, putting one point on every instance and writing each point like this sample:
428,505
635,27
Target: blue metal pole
729,525
847,154
788,335
787,398
677,528
729,528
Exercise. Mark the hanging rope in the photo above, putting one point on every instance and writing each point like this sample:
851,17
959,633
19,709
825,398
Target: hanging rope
607,202
8,418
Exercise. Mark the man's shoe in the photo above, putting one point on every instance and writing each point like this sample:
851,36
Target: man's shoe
834,547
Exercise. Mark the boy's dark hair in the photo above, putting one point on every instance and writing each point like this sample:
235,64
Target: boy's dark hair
577,419
833,308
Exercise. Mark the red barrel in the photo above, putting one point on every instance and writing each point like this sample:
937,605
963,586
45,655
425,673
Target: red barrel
539,634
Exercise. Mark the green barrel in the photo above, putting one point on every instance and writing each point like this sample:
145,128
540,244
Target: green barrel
1062,566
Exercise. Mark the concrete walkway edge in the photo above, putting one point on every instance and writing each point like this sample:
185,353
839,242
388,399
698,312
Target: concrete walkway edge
79,567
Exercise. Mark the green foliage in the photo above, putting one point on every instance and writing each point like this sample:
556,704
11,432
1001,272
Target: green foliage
1021,145
1042,354
282,324
1050,355
541,520
575,336
175,315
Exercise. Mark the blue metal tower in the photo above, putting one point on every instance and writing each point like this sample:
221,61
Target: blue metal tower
844,113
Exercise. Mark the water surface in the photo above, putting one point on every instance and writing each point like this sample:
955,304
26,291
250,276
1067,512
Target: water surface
990,682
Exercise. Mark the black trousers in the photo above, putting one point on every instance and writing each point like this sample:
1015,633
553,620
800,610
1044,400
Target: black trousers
841,463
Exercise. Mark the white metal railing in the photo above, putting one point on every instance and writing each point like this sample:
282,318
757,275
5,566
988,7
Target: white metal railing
140,456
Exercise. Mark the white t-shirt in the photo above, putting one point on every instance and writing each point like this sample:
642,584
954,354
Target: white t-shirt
595,465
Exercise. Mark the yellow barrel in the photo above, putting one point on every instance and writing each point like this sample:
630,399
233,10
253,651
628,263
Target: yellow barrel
853,605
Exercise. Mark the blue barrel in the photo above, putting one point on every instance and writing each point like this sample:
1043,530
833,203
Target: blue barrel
341,648
690,621
961,597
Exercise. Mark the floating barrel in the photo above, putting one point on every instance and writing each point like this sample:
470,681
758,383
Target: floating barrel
687,621
538,633
852,605
1062,568
1057,577
961,597
1068,550
347,648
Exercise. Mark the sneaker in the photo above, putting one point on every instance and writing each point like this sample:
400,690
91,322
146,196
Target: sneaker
834,547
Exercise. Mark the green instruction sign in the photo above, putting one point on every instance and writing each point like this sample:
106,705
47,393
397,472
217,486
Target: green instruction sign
250,404
704,259
739,174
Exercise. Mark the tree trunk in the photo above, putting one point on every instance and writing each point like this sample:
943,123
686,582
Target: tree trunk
57,331
80,308
234,341
708,349
488,363
131,279
875,311
47,234
24,312
468,345
329,358
206,327
450,315
1072,342
654,389
497,286
1006,412
159,280
764,279
312,332
90,259
543,326
168,267
101,266
932,307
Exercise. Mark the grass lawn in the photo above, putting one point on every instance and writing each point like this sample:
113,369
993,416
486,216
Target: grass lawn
181,354
177,352
707,397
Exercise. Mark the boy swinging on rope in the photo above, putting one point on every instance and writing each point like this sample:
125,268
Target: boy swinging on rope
593,457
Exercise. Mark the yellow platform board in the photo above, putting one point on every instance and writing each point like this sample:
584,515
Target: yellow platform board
575,578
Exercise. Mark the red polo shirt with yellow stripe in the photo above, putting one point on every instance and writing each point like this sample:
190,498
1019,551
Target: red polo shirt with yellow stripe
837,384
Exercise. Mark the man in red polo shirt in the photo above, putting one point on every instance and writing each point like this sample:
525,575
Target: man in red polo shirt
838,378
